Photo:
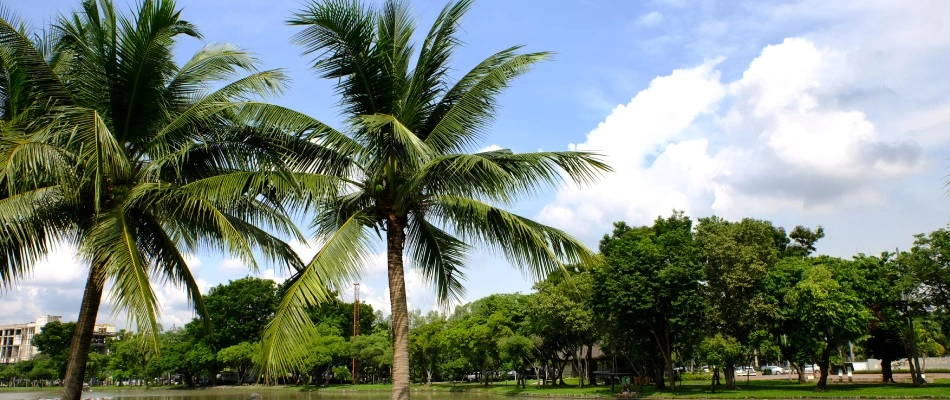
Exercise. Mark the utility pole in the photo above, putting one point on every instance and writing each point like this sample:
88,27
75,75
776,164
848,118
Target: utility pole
356,320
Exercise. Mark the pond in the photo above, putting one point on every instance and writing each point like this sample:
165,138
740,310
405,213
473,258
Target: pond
241,394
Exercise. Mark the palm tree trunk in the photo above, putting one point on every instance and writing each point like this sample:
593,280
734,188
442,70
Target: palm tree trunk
395,241
82,336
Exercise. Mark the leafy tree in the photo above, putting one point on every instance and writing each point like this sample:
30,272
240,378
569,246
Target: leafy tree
97,366
827,309
408,170
425,344
804,241
737,257
238,311
240,357
560,313
54,341
720,352
374,354
136,159
649,285
339,314
516,353
929,263
44,369
128,356
326,348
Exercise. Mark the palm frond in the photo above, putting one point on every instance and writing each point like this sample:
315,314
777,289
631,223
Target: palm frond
502,176
340,33
466,110
339,262
535,248
115,244
439,255
430,75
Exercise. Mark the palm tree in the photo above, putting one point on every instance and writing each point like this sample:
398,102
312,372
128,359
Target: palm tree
410,174
106,143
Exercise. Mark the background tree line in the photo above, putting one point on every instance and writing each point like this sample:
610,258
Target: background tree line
229,348
713,293
716,293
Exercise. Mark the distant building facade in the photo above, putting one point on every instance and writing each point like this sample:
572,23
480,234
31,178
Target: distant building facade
16,340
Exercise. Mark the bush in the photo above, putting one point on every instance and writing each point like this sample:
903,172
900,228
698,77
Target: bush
695,376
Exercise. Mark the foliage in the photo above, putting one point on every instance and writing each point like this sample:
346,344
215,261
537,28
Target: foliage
649,286
54,340
136,159
405,155
239,357
738,256
238,311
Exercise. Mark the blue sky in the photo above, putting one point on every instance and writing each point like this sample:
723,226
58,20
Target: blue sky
801,112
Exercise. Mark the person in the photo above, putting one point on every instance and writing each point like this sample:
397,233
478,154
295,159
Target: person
626,389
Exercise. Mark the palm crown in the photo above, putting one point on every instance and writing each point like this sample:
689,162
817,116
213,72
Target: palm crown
108,144
409,171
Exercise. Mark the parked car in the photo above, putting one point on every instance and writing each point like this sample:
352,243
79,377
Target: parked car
811,369
773,370
471,377
743,371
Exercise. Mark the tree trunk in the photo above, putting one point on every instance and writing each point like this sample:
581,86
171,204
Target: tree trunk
730,374
395,242
82,336
658,376
801,372
886,371
825,364
591,377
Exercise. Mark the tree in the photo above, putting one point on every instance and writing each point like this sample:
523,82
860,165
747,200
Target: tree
559,312
649,285
137,160
720,352
326,348
374,354
409,176
54,340
827,309
736,258
129,357
238,311
425,344
240,357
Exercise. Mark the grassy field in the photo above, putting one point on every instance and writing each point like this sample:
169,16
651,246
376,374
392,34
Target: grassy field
693,390
761,389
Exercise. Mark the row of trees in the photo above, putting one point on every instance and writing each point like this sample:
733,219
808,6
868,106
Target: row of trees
107,143
719,293
231,348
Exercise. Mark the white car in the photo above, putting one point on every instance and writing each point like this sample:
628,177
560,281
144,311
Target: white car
774,369
745,372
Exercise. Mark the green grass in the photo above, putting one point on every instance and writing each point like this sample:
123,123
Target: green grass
777,389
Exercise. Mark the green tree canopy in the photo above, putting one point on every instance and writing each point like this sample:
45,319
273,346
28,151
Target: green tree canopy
649,285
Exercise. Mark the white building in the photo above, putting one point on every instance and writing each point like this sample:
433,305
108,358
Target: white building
16,340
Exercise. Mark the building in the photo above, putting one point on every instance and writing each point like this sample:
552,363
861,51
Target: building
16,340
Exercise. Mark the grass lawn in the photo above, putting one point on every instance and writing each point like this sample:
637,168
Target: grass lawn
778,389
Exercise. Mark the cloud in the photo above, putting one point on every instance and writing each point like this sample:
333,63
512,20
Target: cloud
777,139
231,266
651,19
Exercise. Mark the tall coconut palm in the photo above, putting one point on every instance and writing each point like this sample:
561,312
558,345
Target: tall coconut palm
108,144
411,176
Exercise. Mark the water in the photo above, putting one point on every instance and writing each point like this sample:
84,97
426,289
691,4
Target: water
241,394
